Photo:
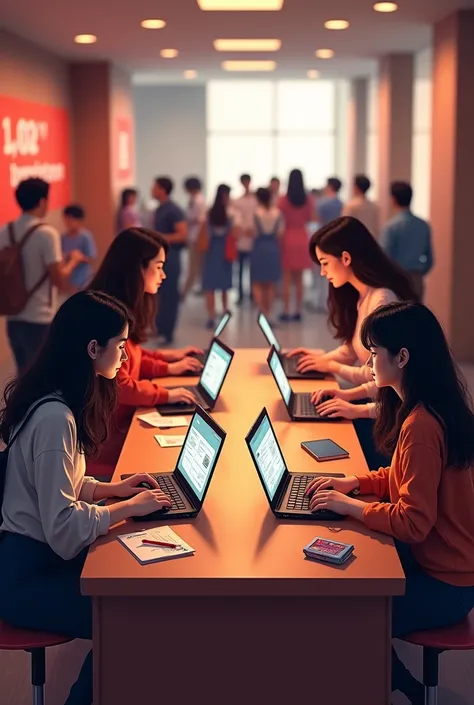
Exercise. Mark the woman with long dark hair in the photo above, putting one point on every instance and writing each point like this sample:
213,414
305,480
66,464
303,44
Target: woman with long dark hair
132,272
361,278
265,257
427,494
219,234
54,415
298,211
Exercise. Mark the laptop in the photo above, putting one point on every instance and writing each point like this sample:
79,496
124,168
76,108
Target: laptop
210,383
222,324
188,483
299,406
284,490
289,363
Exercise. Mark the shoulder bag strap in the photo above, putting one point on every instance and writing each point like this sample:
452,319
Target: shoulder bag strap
28,417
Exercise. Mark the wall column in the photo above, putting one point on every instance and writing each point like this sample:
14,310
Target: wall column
358,103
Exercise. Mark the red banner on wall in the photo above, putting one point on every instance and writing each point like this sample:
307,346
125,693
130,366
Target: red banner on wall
124,148
34,142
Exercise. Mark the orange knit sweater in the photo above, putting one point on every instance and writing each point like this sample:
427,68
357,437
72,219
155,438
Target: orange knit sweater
430,506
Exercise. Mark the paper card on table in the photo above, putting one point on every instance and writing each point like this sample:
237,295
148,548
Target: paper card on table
170,441
153,418
144,553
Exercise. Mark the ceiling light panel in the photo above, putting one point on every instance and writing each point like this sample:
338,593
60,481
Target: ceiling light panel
247,44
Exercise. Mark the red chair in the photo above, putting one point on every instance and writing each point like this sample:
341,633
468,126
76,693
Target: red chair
459,637
12,639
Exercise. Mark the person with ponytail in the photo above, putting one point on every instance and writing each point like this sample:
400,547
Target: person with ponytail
54,415
361,278
425,498
133,271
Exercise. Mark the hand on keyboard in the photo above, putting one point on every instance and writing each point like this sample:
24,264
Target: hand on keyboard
180,395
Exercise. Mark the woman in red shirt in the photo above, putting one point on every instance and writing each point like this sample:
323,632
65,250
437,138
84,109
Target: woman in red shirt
426,496
132,272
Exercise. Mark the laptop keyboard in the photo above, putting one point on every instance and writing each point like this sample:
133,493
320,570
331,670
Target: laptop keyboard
305,406
290,365
297,500
167,486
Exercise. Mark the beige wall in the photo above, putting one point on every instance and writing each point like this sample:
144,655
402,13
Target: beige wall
30,73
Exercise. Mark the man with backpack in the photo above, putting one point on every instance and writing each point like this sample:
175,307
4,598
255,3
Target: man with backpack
31,272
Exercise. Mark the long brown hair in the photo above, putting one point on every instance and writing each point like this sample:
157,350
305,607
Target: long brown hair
63,366
369,264
430,378
121,275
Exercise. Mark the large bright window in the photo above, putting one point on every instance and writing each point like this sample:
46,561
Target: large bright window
267,128
421,145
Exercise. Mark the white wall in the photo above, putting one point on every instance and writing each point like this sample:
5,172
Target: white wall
372,159
421,149
170,124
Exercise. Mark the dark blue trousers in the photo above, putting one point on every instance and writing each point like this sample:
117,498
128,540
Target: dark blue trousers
168,297
428,603
26,340
41,591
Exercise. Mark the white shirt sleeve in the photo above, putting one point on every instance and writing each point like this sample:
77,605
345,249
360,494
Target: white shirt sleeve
49,245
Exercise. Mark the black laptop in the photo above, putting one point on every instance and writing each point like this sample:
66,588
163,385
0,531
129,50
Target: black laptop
284,490
210,383
299,406
188,483
202,357
289,363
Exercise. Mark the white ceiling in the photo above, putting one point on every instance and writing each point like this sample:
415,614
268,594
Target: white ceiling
299,25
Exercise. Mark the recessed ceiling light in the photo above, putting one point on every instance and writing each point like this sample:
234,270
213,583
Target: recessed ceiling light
190,74
169,53
153,24
247,44
249,65
325,53
336,24
240,5
385,7
313,73
85,39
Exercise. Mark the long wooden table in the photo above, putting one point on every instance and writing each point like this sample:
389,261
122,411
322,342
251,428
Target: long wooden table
247,620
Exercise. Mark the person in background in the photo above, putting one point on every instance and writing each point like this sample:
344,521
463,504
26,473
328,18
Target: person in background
265,258
330,205
136,286
222,223
297,210
426,496
196,216
245,208
128,215
362,208
50,511
407,238
361,278
275,185
171,222
76,237
45,271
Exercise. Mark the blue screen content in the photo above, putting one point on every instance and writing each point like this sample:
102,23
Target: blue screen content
268,332
199,455
222,325
215,370
281,378
267,456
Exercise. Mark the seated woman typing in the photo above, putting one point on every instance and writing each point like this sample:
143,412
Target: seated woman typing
52,416
132,272
427,494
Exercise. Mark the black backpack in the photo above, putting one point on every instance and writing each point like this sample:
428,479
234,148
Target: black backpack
5,451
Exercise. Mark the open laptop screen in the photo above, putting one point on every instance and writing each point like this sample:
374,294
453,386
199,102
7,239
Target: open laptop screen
268,332
267,456
199,455
222,324
280,377
215,370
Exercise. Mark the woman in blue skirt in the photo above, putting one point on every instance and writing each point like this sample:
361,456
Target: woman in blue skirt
217,272
265,258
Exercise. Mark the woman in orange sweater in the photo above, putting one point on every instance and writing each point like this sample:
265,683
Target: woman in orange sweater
426,496
132,272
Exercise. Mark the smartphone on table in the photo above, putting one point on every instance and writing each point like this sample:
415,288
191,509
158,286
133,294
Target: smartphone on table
324,449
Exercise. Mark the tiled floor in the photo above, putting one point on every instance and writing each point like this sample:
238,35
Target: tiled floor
457,669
